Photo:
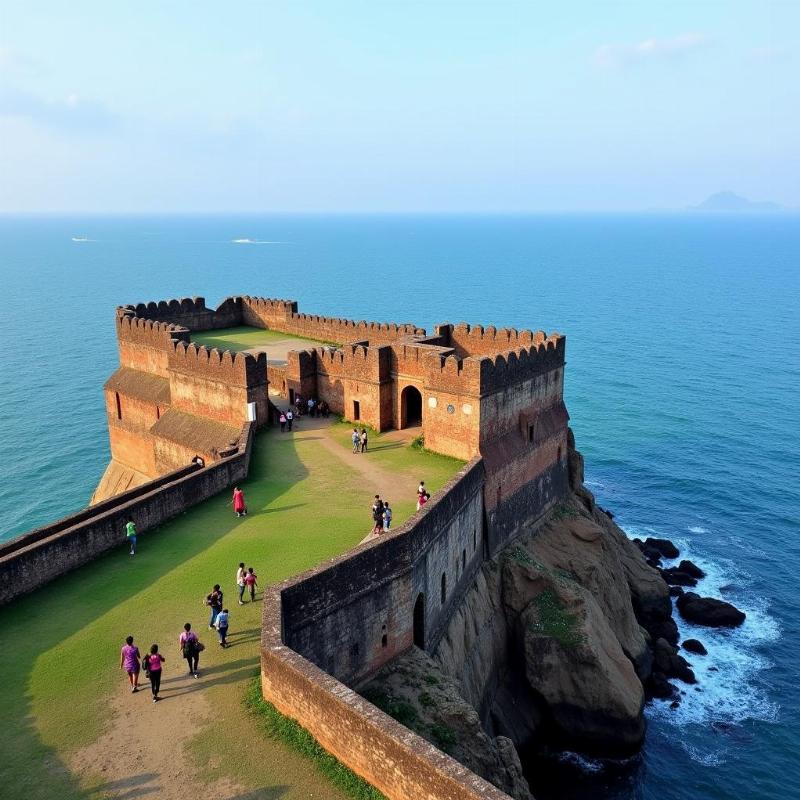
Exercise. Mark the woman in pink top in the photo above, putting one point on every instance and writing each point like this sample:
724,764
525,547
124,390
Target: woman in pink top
129,661
153,660
238,502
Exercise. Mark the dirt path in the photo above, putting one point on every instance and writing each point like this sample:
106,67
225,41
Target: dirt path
380,481
143,753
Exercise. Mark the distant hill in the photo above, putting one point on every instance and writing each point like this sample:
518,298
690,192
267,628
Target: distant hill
730,201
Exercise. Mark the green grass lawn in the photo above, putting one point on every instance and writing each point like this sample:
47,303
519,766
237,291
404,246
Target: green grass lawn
241,338
59,647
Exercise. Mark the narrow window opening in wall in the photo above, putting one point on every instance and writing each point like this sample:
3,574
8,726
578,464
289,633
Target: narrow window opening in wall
158,413
291,397
499,494
419,621
356,410
119,406
463,559
444,587
559,454
530,433
474,540
384,640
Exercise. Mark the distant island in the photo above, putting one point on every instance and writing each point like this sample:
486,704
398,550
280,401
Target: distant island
730,201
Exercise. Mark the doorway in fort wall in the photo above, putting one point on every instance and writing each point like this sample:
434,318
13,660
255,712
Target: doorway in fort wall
410,407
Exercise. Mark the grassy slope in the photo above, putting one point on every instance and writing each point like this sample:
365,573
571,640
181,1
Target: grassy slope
59,648
240,338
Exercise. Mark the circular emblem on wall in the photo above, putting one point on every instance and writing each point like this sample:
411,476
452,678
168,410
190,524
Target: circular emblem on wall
451,409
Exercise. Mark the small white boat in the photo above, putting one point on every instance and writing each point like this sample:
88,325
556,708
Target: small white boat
80,238
244,241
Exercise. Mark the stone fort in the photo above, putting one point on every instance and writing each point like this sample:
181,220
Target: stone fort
181,421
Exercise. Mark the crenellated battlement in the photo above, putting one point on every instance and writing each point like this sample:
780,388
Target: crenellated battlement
477,340
148,332
508,369
237,369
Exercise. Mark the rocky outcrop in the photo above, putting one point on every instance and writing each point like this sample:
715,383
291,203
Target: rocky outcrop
414,690
695,646
709,611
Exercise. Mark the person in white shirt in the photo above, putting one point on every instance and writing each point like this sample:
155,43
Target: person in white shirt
240,573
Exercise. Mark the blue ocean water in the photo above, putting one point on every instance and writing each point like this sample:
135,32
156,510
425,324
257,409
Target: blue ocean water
683,349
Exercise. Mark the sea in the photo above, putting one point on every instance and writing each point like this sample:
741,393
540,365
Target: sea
682,381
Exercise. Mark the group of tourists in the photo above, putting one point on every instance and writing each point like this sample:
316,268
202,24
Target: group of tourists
131,660
133,663
422,495
312,407
360,440
381,515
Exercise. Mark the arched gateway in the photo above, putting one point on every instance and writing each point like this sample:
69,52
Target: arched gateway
410,407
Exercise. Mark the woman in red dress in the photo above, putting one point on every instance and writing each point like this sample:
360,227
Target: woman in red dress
238,502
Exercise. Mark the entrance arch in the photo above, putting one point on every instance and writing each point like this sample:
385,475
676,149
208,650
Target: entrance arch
419,621
410,407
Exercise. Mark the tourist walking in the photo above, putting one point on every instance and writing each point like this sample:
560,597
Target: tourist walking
363,440
214,601
377,515
129,661
423,498
238,502
152,666
310,405
251,581
356,437
222,627
190,648
387,516
282,420
289,419
130,535
421,491
240,573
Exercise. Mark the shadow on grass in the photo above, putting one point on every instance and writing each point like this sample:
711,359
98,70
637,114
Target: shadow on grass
35,624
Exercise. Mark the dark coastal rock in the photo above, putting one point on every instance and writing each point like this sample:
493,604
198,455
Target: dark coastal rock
659,686
695,646
675,591
690,568
664,546
664,629
667,661
709,611
676,577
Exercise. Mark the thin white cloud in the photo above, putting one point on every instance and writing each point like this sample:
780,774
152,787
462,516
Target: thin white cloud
649,49
71,113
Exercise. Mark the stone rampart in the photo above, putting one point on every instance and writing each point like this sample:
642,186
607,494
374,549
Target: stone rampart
281,315
235,369
477,340
34,559
191,312
336,625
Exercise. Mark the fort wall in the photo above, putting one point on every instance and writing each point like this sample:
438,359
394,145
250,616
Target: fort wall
191,313
217,384
34,559
145,344
281,315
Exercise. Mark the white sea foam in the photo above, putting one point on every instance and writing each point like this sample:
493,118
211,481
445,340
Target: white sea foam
729,690
592,766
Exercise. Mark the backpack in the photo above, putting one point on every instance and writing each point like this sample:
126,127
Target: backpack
189,648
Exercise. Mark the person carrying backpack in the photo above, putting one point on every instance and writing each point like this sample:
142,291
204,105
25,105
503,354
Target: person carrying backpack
214,600
152,666
190,648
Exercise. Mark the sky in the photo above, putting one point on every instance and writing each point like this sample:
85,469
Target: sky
382,106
